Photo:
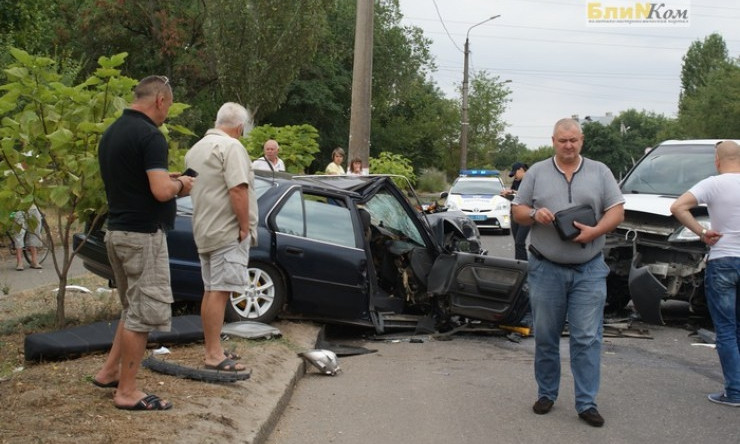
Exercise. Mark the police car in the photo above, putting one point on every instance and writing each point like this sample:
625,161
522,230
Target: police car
477,194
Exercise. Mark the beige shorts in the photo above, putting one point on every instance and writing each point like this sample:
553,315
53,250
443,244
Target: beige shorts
141,268
21,226
226,269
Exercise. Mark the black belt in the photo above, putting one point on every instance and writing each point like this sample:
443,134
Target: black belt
542,257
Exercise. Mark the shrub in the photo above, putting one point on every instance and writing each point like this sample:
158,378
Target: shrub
432,180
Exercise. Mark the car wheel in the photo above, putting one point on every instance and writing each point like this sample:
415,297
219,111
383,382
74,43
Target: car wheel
263,298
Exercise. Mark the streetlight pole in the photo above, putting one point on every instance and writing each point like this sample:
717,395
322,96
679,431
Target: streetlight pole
464,126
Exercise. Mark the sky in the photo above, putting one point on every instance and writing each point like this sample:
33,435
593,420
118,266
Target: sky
558,64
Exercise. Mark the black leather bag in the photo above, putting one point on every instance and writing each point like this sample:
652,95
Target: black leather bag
564,220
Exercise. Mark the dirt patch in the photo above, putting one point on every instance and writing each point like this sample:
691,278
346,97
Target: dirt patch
57,402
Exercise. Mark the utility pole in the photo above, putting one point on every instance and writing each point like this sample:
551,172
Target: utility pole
362,74
465,123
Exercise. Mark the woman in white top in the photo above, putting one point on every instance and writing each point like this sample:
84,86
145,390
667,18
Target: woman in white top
335,167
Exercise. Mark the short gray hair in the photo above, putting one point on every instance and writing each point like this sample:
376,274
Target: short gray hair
232,115
566,124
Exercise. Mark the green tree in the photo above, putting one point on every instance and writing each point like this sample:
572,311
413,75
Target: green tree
26,24
713,111
510,150
410,114
637,130
486,104
389,163
604,143
701,59
49,136
259,46
298,144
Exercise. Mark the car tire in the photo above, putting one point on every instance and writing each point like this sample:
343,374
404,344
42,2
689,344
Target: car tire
263,298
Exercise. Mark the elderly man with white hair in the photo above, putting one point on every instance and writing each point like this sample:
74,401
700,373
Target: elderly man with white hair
224,223
270,160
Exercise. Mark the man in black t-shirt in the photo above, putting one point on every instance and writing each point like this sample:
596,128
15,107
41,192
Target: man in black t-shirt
141,200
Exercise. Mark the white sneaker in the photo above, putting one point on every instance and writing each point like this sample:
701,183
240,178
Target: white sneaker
720,398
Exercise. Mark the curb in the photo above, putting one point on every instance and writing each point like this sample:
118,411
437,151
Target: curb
263,432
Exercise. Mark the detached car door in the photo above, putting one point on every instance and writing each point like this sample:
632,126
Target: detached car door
481,287
318,245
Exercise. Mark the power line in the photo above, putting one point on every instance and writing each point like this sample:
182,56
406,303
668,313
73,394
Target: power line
445,27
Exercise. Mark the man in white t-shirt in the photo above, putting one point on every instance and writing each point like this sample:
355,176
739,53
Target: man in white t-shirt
722,276
270,160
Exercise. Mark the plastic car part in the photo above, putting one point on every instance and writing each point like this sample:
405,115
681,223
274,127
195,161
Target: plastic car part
324,360
647,293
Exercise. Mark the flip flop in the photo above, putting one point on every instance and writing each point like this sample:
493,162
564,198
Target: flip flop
37,267
112,384
149,402
18,268
232,355
227,365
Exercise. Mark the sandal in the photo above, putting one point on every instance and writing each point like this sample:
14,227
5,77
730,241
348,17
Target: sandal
228,365
149,402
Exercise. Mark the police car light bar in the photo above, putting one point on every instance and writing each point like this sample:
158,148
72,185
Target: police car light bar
480,173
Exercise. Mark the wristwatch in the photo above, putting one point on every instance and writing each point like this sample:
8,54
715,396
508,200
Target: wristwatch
532,213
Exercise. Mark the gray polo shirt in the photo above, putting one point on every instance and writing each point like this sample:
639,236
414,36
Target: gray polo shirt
545,186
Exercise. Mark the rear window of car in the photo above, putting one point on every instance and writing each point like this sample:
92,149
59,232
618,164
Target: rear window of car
671,170
477,186
185,204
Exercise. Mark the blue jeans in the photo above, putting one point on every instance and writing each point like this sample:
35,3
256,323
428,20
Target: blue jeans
721,284
576,294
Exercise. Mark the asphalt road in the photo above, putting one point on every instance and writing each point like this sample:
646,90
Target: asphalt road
14,281
480,388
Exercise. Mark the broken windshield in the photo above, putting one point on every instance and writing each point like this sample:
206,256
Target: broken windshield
387,212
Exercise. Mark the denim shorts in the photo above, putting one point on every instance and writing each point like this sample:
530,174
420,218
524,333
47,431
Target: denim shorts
140,263
226,269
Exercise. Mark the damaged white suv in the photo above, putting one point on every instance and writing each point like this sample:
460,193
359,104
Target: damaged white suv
652,257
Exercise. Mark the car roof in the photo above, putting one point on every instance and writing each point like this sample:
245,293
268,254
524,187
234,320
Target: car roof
695,142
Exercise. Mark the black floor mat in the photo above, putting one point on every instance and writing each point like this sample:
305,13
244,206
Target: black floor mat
73,342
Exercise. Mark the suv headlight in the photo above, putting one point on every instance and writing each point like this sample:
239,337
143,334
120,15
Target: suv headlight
685,235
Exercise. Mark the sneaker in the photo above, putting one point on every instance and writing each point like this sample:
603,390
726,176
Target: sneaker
720,398
592,417
543,405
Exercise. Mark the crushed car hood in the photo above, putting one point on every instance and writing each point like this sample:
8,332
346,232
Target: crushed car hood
649,203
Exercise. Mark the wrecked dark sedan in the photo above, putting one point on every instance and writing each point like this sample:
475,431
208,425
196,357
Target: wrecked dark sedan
349,249
651,256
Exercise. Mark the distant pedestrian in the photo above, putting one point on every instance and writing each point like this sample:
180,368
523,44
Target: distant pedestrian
518,231
335,166
722,278
224,224
567,278
20,228
355,167
269,160
141,208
